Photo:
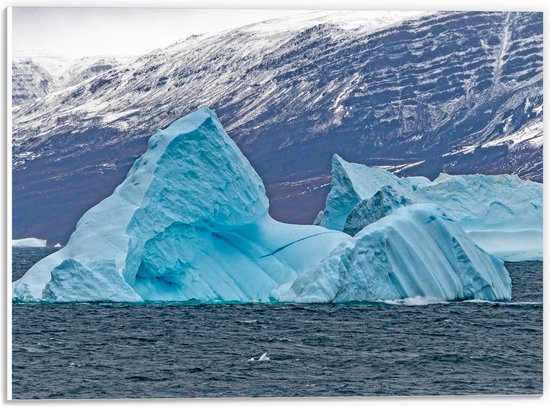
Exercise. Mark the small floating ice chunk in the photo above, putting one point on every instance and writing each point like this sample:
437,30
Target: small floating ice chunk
262,358
29,242
249,321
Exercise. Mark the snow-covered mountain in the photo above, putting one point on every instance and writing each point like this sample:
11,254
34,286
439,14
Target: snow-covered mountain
416,93
86,68
34,77
30,81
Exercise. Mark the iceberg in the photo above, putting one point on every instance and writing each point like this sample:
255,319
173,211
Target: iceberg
500,213
190,223
29,242
417,251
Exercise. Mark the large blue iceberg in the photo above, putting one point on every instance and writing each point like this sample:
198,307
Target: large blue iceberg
190,223
501,213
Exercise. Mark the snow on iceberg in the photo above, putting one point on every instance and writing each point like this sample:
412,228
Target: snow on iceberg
417,251
189,222
501,213
29,242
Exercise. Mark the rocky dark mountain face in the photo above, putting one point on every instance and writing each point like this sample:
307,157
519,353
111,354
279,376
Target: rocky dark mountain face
441,92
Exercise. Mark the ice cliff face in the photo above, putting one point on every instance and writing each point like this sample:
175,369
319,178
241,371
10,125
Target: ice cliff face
501,213
190,223
417,251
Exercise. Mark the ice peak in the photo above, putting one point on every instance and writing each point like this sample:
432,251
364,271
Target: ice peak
191,121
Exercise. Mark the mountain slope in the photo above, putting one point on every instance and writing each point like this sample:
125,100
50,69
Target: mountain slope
35,77
30,81
454,92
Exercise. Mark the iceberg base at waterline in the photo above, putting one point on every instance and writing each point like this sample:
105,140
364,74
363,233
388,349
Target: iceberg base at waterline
190,223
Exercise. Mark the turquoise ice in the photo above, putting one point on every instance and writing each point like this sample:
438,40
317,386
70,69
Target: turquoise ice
501,213
417,251
190,223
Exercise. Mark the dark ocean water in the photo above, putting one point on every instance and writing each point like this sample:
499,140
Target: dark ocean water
121,351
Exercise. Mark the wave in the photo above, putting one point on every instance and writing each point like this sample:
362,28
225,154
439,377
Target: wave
505,303
416,301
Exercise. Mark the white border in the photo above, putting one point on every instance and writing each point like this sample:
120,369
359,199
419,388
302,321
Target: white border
399,5
494,5
8,202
